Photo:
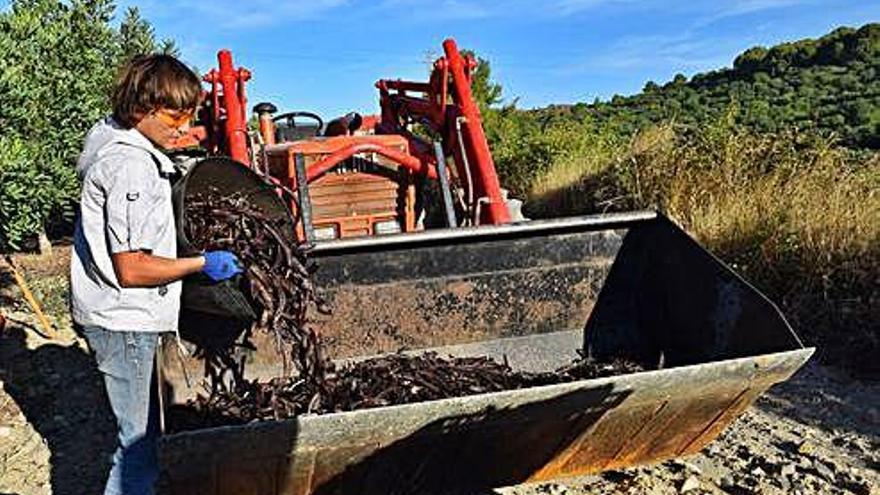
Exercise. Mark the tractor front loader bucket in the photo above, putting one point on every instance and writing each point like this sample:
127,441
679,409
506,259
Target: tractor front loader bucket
626,285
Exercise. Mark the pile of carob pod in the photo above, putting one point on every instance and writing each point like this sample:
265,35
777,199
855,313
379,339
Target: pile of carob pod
278,282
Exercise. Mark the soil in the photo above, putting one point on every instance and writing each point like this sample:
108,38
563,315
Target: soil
818,433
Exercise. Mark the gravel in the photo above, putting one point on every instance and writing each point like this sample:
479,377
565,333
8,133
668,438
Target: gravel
819,433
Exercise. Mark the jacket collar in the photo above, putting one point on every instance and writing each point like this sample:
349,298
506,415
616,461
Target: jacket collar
133,137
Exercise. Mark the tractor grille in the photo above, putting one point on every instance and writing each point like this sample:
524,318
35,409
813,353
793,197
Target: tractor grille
354,201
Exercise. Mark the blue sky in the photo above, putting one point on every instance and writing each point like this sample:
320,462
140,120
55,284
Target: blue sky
325,55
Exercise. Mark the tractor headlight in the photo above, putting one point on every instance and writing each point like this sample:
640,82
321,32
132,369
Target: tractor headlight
386,227
326,233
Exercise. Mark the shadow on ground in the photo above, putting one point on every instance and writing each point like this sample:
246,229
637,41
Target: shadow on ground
825,398
59,390
6,282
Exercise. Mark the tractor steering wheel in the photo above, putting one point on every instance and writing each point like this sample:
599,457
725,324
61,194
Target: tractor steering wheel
290,120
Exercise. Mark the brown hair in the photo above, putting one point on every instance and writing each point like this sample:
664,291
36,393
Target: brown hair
150,82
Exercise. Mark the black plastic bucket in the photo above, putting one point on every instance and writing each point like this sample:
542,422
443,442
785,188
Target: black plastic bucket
203,299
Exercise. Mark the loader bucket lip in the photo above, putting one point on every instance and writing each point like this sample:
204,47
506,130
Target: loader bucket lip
485,232
593,382
490,440
783,356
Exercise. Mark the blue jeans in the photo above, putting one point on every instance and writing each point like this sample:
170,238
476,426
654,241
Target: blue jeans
126,359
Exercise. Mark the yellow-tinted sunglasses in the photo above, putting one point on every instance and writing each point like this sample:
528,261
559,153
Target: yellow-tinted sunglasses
174,118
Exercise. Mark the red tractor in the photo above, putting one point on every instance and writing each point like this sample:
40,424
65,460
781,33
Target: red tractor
534,295
363,176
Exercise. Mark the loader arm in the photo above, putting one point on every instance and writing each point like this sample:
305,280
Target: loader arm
447,108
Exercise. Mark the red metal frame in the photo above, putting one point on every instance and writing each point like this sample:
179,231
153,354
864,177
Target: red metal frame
230,117
267,129
445,114
444,104
407,161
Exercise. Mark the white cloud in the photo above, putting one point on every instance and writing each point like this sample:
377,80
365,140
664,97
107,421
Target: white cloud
234,13
735,8
711,10
568,7
679,52
441,10
258,13
438,10
692,49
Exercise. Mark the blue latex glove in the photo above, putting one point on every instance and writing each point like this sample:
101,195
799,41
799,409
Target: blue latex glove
221,265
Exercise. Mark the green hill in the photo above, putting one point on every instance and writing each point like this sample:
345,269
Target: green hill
829,84
773,164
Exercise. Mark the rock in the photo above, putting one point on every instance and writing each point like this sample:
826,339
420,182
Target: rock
692,467
806,447
616,476
758,472
814,484
690,484
823,471
726,482
785,484
5,431
862,487
44,245
553,489
788,470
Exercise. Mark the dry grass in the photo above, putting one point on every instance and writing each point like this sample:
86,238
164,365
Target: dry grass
585,154
794,213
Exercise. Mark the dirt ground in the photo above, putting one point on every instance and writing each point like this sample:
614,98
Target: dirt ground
818,433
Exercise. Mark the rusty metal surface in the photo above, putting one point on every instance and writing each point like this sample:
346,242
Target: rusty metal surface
480,441
633,286
430,295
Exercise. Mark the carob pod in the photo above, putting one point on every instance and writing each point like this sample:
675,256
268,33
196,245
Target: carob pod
278,282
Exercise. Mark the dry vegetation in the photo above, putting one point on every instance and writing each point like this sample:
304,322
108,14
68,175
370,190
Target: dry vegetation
796,214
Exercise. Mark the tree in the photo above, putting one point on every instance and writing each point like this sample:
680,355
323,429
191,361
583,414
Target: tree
138,37
486,92
57,63
26,192
750,60
812,82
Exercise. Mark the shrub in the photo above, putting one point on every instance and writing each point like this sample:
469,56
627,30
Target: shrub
57,62
27,193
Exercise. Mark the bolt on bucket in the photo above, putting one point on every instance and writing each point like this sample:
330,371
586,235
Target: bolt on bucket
628,285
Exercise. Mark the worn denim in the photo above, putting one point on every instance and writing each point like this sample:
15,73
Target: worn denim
126,361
